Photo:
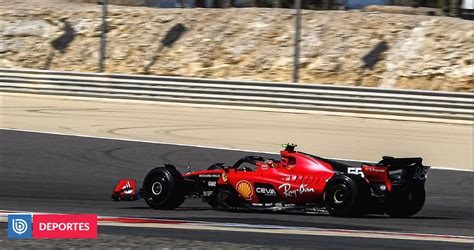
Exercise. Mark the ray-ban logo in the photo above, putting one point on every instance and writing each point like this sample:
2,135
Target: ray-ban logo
19,226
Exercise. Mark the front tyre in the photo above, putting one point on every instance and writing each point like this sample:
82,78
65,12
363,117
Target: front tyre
163,188
405,203
346,195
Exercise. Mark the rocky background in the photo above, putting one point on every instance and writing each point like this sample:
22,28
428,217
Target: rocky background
338,47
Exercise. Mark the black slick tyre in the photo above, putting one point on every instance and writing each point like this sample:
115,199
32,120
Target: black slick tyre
163,188
405,203
346,195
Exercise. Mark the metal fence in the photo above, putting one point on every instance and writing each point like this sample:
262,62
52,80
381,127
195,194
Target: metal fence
281,96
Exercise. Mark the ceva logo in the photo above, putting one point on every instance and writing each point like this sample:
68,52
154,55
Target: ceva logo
19,226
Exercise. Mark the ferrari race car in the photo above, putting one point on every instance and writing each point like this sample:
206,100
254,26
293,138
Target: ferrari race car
297,181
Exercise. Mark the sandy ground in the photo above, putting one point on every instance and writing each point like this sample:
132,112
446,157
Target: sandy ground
441,145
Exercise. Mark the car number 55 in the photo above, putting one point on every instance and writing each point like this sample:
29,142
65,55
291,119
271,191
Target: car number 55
421,173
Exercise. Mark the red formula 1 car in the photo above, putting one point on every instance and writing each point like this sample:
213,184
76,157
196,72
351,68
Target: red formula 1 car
298,181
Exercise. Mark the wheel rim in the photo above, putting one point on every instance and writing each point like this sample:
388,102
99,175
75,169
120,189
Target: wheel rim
338,196
156,188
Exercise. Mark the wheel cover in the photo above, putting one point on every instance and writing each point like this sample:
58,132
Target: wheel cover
339,196
156,188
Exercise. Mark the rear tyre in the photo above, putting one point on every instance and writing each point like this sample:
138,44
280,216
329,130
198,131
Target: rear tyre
163,188
346,195
405,203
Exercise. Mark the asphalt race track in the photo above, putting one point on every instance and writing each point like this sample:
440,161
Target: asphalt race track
68,174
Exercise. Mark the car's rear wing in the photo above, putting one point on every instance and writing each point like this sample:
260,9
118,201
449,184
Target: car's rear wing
397,171
412,169
400,163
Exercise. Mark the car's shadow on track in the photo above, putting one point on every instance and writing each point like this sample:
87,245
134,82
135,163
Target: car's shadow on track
292,213
415,217
179,209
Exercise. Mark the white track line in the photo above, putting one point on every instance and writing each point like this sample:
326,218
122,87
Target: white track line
267,229
191,145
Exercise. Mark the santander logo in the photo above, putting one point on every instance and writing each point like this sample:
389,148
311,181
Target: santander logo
127,189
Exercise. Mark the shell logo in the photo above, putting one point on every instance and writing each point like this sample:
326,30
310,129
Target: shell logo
245,189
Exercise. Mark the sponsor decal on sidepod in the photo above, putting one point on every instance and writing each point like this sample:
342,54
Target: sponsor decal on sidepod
245,189
288,192
266,191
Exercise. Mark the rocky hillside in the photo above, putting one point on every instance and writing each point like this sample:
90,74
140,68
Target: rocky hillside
346,48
